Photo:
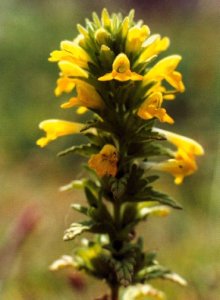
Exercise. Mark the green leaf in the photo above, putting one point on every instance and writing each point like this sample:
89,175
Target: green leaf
150,258
123,270
91,197
129,213
163,199
84,150
118,187
151,272
80,208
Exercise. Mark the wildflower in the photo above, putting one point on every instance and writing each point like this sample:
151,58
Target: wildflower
165,69
135,38
151,108
105,162
152,47
87,96
120,49
190,146
55,128
71,69
72,52
121,70
184,162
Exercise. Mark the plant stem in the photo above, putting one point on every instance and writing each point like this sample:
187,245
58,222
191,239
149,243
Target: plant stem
114,290
117,213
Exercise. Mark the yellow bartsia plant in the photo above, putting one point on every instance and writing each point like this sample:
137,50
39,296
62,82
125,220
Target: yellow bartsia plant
111,70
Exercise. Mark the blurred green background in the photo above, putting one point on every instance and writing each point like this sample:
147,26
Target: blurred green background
187,241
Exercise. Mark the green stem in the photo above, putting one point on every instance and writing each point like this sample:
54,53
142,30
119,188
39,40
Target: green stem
117,213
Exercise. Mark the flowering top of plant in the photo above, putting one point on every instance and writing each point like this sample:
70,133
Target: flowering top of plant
112,69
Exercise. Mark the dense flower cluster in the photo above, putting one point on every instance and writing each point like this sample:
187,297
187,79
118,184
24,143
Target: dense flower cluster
111,69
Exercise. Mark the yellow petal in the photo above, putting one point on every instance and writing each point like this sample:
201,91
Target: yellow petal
179,167
121,63
64,84
55,128
151,108
75,50
86,96
57,55
105,162
175,80
106,77
153,46
121,70
71,69
182,142
70,103
135,38
163,68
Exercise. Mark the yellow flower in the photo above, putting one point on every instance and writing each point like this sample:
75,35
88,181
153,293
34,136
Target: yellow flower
71,69
152,108
152,47
64,84
55,128
183,163
180,166
72,52
135,38
190,146
87,96
167,95
105,162
165,69
121,70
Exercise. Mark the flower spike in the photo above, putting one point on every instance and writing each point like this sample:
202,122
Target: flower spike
112,70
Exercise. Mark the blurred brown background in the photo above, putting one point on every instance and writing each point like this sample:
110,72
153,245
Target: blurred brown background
34,213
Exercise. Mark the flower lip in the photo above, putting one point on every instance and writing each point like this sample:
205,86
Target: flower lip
121,70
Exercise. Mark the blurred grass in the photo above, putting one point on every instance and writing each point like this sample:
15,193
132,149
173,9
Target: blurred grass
187,241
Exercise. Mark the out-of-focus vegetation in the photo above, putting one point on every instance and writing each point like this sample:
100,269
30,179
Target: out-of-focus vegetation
188,240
